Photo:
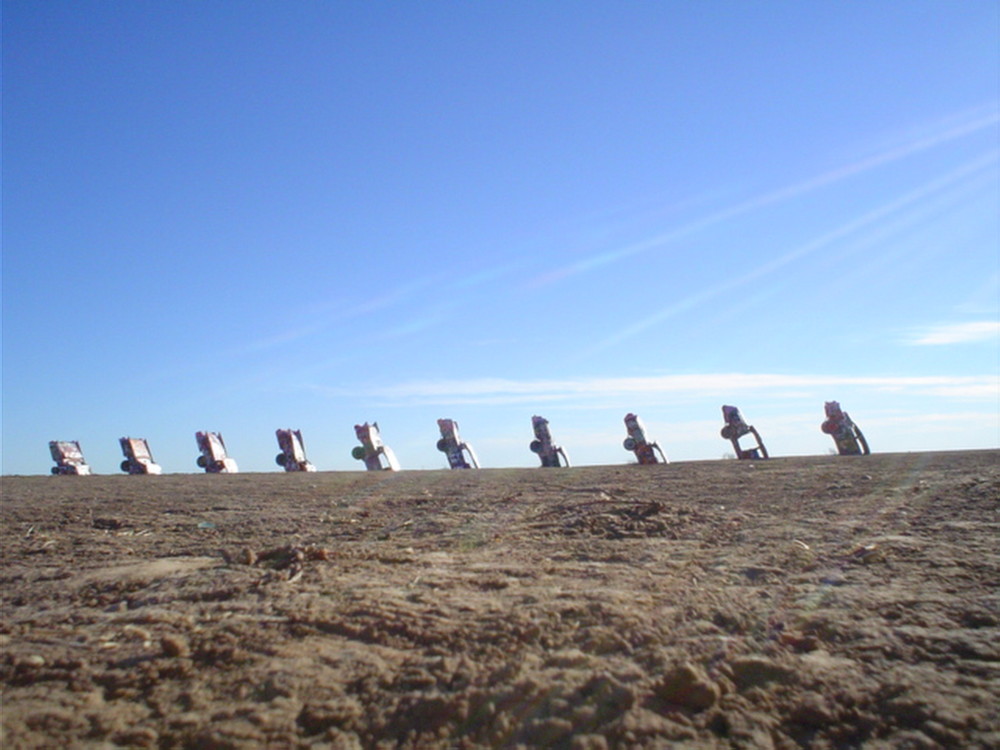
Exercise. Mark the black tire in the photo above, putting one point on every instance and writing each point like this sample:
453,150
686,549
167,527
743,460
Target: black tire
126,467
442,445
358,452
629,444
280,460
536,446
202,462
727,432
55,471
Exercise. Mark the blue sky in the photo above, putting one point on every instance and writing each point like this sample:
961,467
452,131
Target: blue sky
243,216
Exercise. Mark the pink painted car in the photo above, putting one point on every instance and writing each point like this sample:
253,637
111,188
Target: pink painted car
138,458
213,458
68,457
293,451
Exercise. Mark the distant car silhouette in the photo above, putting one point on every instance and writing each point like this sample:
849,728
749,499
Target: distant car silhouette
846,435
138,458
376,454
644,449
293,451
460,454
68,457
542,445
737,428
213,458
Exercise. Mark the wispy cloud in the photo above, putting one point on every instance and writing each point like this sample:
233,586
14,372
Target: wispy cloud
953,128
958,333
871,221
328,314
497,391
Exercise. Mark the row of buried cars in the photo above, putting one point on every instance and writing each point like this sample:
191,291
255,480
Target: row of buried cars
377,456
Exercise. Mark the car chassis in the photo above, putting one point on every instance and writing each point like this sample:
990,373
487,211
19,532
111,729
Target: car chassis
69,458
644,449
376,454
847,436
213,458
293,451
460,454
138,458
736,428
543,446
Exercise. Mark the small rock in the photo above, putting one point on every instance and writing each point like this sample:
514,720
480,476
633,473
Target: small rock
751,671
687,685
174,646
812,712
588,742
139,737
34,660
799,641
868,554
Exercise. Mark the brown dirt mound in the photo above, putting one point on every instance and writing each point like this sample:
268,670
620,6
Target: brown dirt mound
799,602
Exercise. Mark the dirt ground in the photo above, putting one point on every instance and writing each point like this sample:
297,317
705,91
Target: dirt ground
798,602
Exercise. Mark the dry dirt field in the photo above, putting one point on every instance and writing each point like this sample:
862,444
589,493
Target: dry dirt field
799,602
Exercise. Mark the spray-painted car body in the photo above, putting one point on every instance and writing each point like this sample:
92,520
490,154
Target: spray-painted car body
548,452
645,450
376,454
846,435
69,458
213,458
293,451
138,458
460,454
736,428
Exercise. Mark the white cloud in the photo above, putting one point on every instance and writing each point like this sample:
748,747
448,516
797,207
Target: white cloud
956,127
503,391
958,333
